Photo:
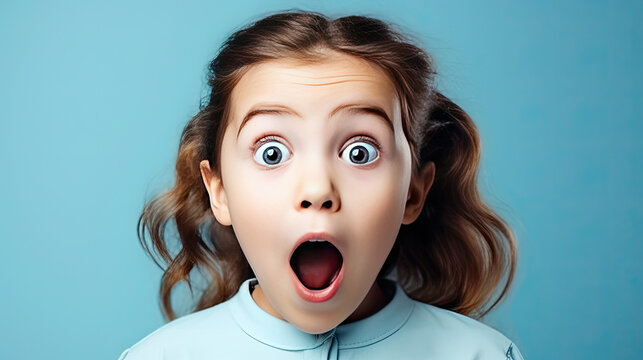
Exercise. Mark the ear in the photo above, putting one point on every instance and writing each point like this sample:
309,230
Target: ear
418,190
218,199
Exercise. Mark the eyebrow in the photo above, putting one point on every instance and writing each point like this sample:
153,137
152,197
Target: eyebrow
278,109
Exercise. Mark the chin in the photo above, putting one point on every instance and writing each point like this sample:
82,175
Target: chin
317,324
316,328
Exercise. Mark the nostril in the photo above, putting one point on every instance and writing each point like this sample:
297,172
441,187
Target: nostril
327,204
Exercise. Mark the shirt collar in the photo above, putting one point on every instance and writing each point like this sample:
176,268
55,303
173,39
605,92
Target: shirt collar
278,333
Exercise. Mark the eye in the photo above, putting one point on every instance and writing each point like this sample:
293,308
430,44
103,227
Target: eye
360,153
271,153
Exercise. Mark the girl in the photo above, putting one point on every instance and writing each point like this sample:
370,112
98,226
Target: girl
329,192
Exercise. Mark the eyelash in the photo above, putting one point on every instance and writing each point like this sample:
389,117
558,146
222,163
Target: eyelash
264,138
366,139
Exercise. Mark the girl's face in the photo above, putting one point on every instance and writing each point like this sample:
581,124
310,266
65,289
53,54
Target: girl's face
313,148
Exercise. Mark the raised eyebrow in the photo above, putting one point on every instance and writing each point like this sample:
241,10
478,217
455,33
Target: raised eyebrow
351,108
255,112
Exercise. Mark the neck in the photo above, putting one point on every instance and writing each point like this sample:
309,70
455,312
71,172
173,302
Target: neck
374,301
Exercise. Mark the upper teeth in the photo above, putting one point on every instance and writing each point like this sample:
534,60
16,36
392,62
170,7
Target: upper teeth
316,240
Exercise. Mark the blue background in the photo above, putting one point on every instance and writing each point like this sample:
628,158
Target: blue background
93,97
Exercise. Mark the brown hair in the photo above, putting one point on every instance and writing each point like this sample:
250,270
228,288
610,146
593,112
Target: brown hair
453,256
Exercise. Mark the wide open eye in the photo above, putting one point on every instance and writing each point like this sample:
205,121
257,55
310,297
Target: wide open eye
271,153
360,153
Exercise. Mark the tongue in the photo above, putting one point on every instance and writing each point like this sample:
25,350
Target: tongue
316,264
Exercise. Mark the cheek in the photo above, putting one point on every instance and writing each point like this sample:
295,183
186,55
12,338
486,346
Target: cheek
254,214
248,197
376,213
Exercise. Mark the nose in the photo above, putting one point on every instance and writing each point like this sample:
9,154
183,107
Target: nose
318,192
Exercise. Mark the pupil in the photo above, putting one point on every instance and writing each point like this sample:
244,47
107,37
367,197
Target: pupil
358,154
272,155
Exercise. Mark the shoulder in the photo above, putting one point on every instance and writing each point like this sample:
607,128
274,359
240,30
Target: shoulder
459,336
194,333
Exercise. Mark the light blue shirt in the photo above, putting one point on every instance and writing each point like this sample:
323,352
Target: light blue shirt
404,329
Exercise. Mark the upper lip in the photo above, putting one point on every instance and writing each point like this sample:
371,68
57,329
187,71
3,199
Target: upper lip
315,236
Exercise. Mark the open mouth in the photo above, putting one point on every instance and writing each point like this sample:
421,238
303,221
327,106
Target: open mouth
316,264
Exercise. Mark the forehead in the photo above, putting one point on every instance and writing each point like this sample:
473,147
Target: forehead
333,79
328,70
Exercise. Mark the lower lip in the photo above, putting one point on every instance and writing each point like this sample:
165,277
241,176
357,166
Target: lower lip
318,295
